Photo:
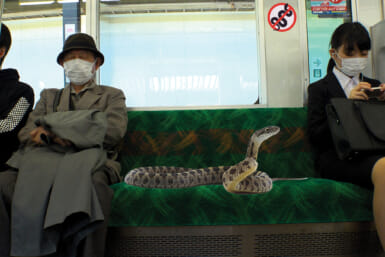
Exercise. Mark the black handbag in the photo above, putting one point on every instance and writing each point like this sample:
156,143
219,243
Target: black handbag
357,127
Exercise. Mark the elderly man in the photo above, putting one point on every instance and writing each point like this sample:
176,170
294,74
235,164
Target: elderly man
80,59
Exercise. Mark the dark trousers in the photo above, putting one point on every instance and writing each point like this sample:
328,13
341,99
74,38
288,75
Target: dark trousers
7,187
92,246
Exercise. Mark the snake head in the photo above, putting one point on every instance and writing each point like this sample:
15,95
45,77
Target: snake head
266,133
257,139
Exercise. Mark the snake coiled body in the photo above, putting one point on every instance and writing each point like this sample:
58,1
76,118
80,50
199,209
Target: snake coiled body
239,178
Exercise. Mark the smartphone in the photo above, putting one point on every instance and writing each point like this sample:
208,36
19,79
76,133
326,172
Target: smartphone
376,92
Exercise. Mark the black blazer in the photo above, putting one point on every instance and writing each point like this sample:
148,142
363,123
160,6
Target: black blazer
319,95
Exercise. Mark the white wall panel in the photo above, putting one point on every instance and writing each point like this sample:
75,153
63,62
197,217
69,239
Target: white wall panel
369,12
285,59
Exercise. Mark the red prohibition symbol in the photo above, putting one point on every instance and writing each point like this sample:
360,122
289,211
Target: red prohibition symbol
282,17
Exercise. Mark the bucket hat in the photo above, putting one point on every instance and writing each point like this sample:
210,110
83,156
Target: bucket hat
80,41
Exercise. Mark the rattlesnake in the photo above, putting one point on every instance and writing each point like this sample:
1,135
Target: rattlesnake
239,178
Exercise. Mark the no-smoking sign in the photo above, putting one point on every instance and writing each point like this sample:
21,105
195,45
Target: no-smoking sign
282,17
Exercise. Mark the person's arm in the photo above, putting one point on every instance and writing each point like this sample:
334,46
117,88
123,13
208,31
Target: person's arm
40,110
358,92
15,115
116,112
317,125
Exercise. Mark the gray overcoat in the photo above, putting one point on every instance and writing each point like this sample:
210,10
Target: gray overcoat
55,203
107,99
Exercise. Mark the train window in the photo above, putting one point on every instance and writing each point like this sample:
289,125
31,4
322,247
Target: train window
37,29
323,17
180,53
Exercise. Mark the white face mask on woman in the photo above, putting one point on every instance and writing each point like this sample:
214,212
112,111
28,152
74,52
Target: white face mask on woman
79,71
352,66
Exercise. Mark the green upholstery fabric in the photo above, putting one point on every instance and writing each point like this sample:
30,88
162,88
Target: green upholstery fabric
314,200
203,138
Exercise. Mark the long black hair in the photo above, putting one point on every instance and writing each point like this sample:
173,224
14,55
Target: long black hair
349,34
5,40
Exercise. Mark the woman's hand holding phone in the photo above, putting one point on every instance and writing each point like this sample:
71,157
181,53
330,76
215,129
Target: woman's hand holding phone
374,92
381,96
366,91
358,92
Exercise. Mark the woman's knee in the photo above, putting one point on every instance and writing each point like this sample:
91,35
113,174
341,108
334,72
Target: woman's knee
378,172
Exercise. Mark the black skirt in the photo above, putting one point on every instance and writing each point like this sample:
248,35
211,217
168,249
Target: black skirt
357,171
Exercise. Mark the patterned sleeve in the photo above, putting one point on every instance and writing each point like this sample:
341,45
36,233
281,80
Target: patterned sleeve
15,116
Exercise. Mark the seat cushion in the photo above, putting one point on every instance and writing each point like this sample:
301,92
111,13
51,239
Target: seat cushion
311,200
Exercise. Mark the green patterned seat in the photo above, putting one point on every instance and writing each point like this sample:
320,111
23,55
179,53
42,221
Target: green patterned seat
203,138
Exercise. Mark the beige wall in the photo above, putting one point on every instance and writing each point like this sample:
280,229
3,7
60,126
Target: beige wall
369,12
285,56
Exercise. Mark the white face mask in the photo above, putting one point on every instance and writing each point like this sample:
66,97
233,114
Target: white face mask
352,66
79,71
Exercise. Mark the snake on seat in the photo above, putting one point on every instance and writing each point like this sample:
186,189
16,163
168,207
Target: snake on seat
241,178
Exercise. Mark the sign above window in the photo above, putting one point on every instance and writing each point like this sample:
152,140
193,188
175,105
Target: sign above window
329,8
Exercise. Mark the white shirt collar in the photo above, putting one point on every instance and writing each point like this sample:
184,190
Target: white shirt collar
347,83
